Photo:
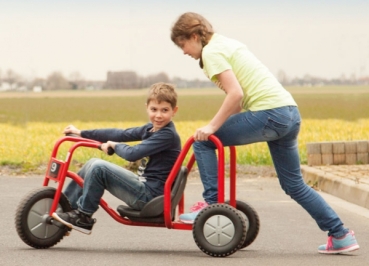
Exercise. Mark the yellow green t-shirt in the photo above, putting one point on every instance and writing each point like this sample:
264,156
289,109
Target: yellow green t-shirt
261,89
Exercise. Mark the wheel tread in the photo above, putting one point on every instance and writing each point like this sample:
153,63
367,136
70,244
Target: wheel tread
21,214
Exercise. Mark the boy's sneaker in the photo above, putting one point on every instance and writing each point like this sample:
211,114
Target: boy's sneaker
340,245
76,220
189,218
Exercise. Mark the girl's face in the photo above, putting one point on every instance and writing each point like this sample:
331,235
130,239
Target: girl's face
191,46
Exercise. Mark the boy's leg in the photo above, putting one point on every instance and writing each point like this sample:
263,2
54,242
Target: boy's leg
101,175
120,182
73,191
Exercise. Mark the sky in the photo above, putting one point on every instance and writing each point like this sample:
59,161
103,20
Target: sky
325,38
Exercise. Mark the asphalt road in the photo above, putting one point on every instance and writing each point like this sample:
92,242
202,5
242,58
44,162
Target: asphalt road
288,236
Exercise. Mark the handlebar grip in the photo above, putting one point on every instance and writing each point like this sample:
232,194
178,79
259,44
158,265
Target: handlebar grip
72,135
110,150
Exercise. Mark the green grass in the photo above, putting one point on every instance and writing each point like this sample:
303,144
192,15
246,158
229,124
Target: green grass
347,103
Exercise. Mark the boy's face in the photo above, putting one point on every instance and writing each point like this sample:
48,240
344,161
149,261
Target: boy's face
160,114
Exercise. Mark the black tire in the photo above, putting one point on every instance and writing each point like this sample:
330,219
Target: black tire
219,230
252,222
33,220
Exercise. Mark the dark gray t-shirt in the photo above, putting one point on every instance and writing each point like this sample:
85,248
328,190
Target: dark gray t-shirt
158,150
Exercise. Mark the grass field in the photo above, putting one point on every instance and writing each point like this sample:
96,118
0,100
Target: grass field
31,122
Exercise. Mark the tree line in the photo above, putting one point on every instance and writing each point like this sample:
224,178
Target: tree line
10,80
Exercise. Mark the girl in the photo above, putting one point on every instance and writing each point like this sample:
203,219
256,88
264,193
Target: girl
271,116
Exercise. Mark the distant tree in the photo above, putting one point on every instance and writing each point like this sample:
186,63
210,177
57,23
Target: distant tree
160,77
56,81
76,81
282,77
122,80
39,82
12,78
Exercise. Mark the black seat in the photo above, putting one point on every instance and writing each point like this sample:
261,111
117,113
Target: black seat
153,211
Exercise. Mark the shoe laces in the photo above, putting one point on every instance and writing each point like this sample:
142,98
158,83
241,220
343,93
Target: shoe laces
329,243
198,206
330,240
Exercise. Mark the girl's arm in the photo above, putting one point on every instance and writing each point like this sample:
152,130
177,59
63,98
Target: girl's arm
231,105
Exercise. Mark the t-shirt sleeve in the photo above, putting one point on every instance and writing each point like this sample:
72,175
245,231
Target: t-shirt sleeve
214,64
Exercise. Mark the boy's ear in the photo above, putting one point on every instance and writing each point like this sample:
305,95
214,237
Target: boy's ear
175,109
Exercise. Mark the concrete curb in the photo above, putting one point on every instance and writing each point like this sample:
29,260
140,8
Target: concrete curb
345,189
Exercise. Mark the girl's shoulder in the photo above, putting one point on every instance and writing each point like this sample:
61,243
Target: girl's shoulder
219,43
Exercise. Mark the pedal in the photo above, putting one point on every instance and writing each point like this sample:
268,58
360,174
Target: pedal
57,223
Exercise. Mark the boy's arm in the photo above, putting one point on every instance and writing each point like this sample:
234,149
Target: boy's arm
161,140
114,134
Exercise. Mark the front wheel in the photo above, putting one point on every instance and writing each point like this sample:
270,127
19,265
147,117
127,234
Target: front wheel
33,220
219,230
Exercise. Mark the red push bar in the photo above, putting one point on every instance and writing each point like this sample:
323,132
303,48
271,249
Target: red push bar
221,180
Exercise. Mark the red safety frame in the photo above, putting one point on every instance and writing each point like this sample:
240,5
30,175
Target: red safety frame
63,173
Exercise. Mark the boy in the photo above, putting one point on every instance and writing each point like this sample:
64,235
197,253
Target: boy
159,149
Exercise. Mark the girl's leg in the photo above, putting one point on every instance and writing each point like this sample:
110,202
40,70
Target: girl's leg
284,152
279,127
240,129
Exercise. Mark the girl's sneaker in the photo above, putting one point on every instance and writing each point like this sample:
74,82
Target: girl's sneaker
189,218
76,220
340,245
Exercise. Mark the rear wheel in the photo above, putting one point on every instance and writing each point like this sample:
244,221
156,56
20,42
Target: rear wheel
219,230
33,221
252,222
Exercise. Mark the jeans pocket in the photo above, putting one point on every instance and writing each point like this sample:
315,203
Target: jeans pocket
274,129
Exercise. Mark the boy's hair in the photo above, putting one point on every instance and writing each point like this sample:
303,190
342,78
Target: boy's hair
190,23
162,92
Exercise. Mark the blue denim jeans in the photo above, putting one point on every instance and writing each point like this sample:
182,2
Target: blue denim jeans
278,127
100,175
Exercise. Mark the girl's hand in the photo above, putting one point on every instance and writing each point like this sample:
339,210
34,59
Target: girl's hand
203,133
72,130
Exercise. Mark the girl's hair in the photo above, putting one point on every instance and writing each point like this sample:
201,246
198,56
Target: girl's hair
162,92
190,23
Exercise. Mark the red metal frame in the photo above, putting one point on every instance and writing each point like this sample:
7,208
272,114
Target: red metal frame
81,142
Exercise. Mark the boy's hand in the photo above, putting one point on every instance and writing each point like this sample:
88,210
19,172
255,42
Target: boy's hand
108,147
72,130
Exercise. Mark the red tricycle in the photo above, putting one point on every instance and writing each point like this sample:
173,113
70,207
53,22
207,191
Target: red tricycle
219,230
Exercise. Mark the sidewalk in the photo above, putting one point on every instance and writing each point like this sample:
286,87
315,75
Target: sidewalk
348,182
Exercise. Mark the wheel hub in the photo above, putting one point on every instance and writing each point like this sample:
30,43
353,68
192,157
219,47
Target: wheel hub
219,230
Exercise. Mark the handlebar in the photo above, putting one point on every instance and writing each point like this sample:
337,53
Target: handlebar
110,149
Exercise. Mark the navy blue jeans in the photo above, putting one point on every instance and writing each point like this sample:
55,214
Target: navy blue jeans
278,127
100,175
